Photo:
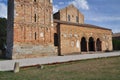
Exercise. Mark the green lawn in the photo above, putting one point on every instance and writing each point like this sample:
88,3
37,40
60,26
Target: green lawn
96,69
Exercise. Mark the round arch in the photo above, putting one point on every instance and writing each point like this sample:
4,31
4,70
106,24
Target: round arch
98,45
91,44
83,44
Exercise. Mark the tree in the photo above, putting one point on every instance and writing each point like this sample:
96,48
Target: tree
116,44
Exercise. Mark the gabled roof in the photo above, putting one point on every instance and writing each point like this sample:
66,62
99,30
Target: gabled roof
80,25
71,5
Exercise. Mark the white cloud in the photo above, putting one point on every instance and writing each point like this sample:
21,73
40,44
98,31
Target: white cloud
55,8
105,21
116,30
81,4
61,3
3,10
115,27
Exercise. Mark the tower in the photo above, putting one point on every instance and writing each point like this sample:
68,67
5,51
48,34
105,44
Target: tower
30,31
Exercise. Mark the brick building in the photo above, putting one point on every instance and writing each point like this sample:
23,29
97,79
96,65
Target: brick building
32,32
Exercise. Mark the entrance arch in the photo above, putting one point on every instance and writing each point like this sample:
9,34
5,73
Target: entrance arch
83,45
98,45
91,44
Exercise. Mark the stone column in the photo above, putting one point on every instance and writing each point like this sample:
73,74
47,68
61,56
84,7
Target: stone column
52,19
95,46
80,46
87,45
51,1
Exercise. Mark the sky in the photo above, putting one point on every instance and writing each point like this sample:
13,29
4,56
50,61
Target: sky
104,13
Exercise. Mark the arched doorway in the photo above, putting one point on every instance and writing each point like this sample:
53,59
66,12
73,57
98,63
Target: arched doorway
98,45
91,44
83,44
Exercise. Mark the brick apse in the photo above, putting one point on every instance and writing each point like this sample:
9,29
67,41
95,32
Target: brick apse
33,31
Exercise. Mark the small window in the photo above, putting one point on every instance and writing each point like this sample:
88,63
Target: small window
35,17
35,35
68,17
77,19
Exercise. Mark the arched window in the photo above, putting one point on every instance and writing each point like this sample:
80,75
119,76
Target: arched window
83,44
91,44
98,45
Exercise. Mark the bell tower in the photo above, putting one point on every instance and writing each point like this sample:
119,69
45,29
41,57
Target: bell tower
30,29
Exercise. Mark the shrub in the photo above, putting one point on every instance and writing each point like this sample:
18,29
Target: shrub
116,44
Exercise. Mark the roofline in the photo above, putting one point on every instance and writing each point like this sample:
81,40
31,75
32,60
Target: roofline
82,25
67,7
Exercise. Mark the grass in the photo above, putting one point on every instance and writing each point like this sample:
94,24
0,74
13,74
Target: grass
96,69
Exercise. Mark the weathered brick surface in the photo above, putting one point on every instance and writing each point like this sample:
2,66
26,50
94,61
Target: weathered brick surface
31,33
71,32
71,35
33,51
33,30
72,11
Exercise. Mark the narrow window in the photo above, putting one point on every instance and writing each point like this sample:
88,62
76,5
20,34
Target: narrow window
35,35
35,17
55,39
68,17
77,19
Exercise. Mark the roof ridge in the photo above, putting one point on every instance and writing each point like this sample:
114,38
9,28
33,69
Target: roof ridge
78,24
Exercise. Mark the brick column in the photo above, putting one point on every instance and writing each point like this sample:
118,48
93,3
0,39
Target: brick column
95,46
52,20
87,45
80,45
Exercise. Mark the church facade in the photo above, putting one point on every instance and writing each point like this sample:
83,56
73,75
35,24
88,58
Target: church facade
33,31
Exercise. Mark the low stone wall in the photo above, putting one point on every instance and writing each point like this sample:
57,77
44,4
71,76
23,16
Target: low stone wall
8,65
33,51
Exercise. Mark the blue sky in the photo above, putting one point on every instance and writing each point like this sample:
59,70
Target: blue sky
104,13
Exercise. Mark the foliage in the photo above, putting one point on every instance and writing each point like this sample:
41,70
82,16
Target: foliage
116,44
96,69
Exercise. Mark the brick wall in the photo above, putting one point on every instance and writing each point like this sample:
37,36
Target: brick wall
71,11
71,35
32,30
31,33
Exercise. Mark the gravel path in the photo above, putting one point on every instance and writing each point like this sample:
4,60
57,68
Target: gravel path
8,65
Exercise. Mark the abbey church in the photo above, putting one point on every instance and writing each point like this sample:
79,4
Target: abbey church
34,31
